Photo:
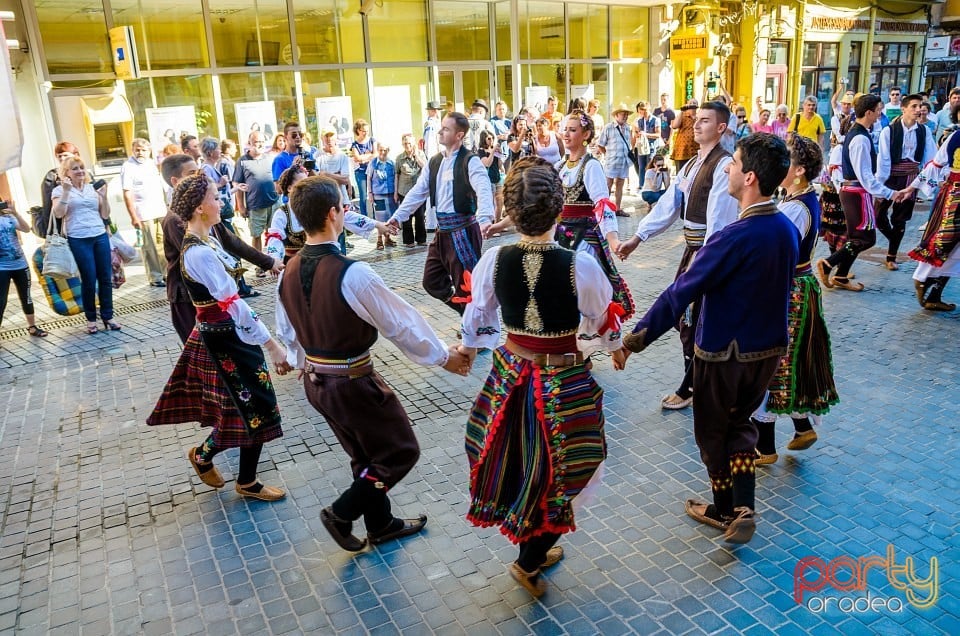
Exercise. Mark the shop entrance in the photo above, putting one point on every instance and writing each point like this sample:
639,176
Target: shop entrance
459,86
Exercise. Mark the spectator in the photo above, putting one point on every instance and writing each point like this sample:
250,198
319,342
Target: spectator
666,115
146,204
253,180
83,210
191,146
478,123
215,168
809,123
292,149
593,111
279,143
547,143
925,117
893,109
381,180
168,151
430,129
362,151
684,146
943,117
646,137
228,154
743,128
335,164
492,160
613,144
520,141
843,114
763,122
551,112
782,122
577,103
62,151
13,266
656,180
501,125
409,164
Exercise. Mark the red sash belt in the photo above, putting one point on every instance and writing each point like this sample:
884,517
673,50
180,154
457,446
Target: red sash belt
577,211
211,313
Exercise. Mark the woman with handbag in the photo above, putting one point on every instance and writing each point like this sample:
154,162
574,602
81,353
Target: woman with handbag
13,265
84,210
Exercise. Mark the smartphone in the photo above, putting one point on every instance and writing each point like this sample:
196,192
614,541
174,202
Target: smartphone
99,183
3,206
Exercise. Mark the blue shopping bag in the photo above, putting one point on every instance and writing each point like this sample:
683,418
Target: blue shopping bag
63,294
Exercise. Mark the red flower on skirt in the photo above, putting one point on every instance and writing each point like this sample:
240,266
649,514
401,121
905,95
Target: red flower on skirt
229,366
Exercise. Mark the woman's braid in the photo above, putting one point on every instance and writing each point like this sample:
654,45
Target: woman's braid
533,195
189,194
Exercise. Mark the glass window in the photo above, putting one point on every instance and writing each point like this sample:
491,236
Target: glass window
238,88
778,53
74,37
462,30
325,35
892,66
400,96
505,87
398,31
318,84
810,57
587,28
189,90
169,35
279,91
828,54
629,85
628,33
139,97
595,74
541,30
553,76
249,33
502,18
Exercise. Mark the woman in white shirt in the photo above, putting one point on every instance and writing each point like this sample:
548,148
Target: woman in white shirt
547,143
83,210
656,180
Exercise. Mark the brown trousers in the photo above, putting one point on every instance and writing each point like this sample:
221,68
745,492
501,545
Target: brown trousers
447,262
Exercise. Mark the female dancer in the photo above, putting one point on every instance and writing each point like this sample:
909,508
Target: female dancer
221,379
535,434
803,386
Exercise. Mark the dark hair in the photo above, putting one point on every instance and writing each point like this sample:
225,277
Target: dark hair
806,153
189,194
721,110
225,145
533,195
460,121
865,103
766,156
485,135
955,113
912,97
653,159
185,140
586,122
172,166
513,125
577,103
285,182
311,200
290,125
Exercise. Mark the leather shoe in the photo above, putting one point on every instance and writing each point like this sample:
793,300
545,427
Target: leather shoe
554,555
920,287
210,477
697,509
410,526
823,273
674,402
846,284
939,306
742,527
531,581
347,541
891,265
803,441
764,460
266,493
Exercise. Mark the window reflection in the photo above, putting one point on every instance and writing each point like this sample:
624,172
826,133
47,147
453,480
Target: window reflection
169,35
190,90
398,31
326,33
587,27
541,30
74,37
249,33
628,33
462,30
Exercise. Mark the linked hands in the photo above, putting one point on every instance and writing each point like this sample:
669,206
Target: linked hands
278,356
626,247
620,358
458,361
390,228
903,195
278,267
497,227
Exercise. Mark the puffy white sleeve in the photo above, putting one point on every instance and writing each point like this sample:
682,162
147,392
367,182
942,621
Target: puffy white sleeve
884,160
276,234
358,224
203,266
599,330
286,334
480,326
480,182
401,324
722,209
929,178
860,160
595,182
663,214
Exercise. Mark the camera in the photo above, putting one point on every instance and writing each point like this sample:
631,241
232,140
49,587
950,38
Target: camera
99,183
3,206
310,164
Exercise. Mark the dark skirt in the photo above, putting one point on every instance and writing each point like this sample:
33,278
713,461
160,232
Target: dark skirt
573,231
942,233
534,439
803,382
833,225
222,382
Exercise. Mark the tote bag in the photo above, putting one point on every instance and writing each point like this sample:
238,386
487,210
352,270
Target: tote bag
62,294
58,261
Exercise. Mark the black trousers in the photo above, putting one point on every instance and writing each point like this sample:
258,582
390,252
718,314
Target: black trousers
892,217
21,280
857,240
414,228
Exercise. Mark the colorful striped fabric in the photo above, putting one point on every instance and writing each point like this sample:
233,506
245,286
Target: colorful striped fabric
943,229
534,438
62,294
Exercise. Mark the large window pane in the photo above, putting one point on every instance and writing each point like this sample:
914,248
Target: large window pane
139,97
829,54
169,35
325,30
282,92
505,87
595,74
249,33
553,76
350,82
238,88
810,57
399,100
629,85
398,31
75,37
502,18
629,33
189,90
587,25
462,30
541,30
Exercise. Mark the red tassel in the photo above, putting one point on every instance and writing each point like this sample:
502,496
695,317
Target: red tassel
467,286
225,304
615,312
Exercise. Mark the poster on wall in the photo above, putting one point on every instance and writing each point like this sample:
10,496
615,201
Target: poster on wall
256,117
167,125
582,90
536,96
336,113
391,111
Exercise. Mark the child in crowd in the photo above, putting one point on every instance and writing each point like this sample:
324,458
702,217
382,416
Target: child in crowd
381,180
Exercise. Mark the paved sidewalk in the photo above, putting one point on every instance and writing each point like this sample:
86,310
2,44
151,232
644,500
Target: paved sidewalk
106,530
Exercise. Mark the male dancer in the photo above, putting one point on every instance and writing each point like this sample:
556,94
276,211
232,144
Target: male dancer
182,311
860,185
329,313
457,184
706,207
905,147
738,343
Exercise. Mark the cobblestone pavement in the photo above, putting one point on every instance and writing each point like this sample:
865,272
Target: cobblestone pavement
107,530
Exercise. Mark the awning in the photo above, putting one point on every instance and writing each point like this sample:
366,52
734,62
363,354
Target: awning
107,109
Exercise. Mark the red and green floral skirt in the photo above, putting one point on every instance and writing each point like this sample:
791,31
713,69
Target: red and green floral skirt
221,381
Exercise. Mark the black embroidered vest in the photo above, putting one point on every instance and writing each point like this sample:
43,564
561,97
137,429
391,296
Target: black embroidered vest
857,130
200,296
464,198
536,288
896,142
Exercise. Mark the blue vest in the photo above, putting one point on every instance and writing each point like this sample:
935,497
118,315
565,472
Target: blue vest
855,131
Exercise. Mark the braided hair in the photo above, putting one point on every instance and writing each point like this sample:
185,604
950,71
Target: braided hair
189,194
533,195
807,154
285,182
586,122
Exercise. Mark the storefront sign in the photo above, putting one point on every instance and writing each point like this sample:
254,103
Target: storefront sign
937,47
168,125
688,47
828,23
256,117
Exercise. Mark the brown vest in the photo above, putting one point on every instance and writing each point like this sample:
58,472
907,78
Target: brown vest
313,299
695,205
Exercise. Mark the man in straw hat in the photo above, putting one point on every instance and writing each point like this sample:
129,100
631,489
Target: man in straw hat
614,145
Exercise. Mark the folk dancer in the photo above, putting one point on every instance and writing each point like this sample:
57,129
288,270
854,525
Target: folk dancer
803,386
700,197
330,312
738,344
905,147
456,183
535,434
860,185
221,379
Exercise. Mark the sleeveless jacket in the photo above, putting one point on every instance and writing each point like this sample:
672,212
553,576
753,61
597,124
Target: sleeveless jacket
808,243
695,207
200,296
577,193
856,131
464,198
536,288
312,295
896,142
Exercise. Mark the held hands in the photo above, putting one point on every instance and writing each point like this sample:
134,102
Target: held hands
497,227
388,229
484,229
278,266
626,247
458,362
395,224
620,358
903,195
278,356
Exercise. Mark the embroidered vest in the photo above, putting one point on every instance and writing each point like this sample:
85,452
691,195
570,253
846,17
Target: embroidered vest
808,243
694,205
312,295
464,198
542,300
857,130
896,142
200,296
577,193
294,240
